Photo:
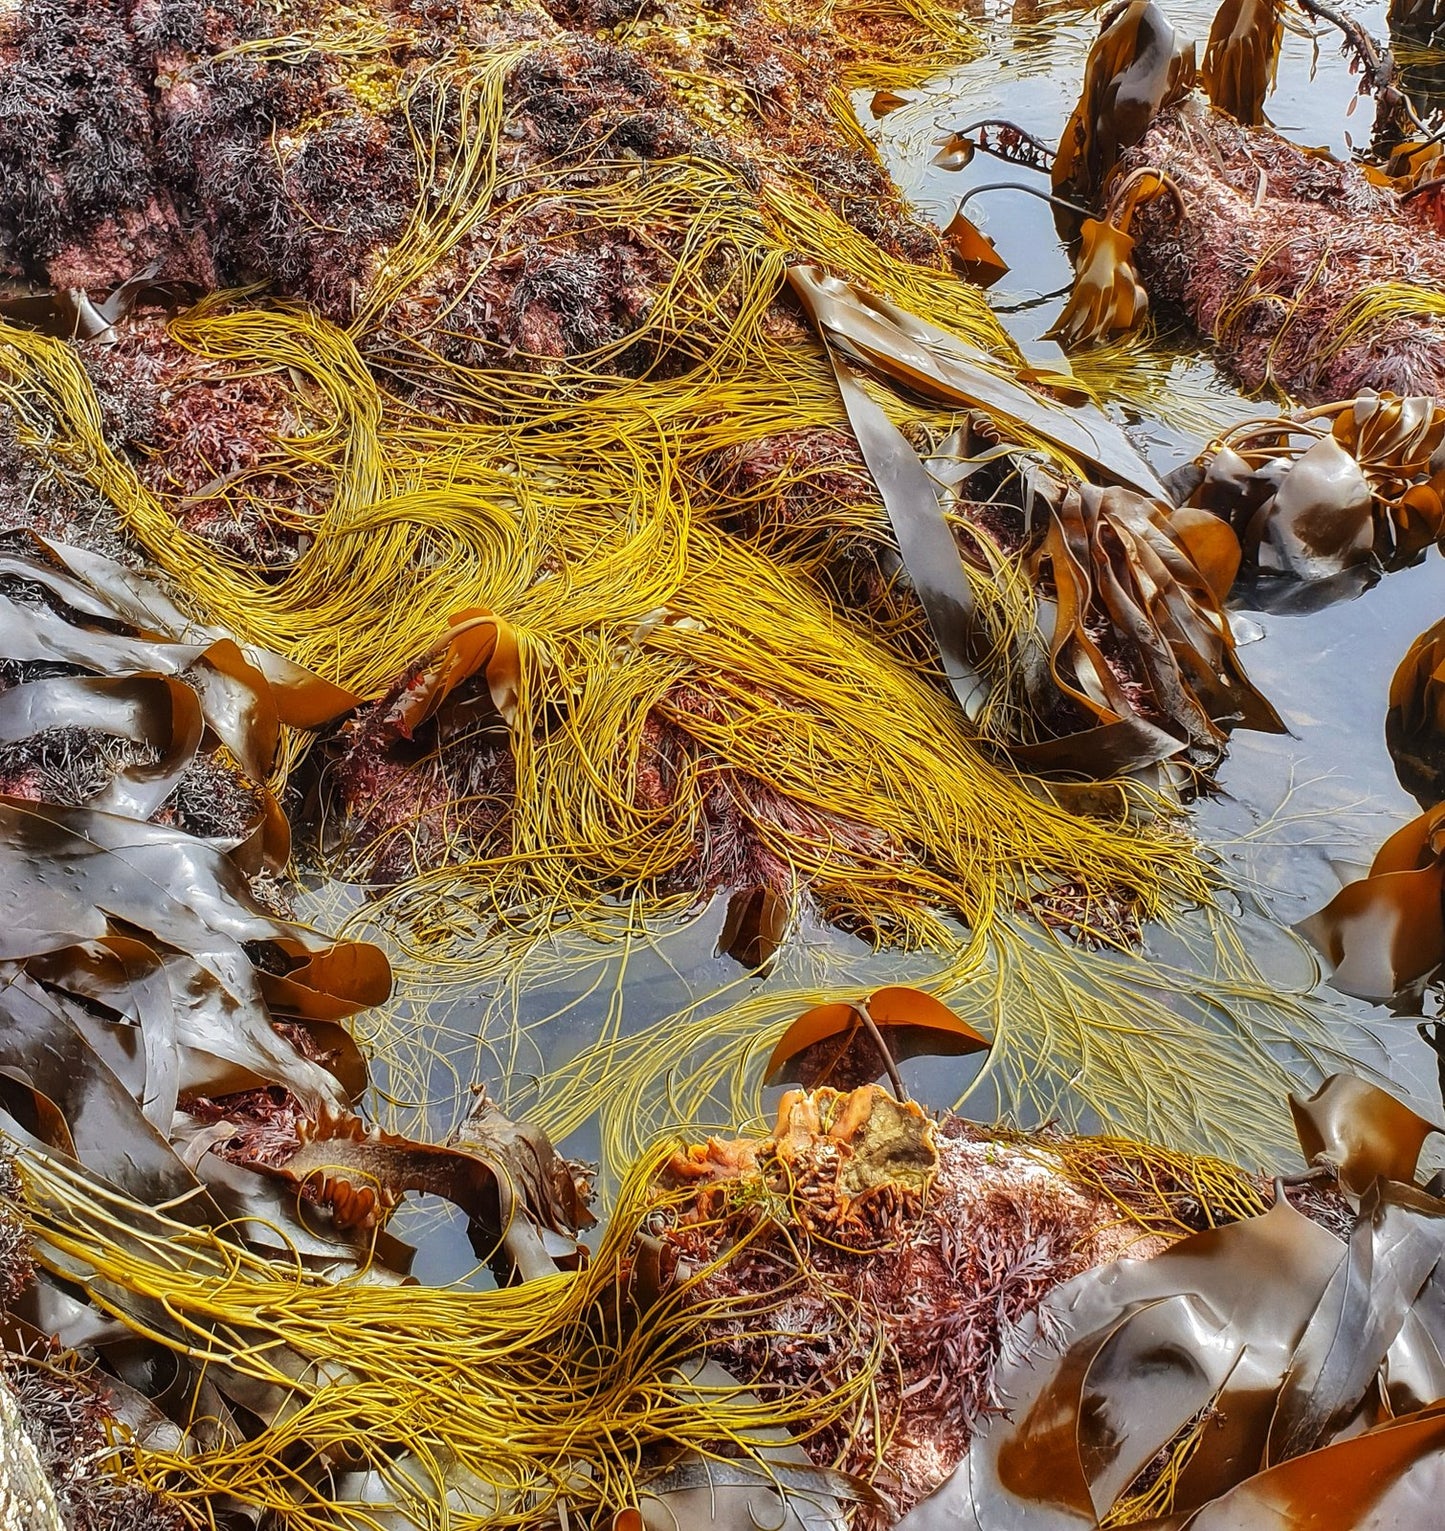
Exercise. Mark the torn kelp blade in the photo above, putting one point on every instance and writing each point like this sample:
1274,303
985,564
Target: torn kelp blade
946,370
1241,57
1360,1131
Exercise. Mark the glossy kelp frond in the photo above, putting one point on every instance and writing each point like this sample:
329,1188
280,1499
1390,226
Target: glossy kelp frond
1242,57
1107,296
1314,493
1136,67
1287,1370
1385,932
1114,552
1415,723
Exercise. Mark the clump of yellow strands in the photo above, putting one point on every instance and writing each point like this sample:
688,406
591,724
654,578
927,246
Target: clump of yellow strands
573,503
525,1404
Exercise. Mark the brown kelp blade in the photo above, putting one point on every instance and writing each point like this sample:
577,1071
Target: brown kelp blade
1393,1476
910,1021
945,369
1211,545
1241,57
755,926
1321,520
1385,932
477,640
361,1173
972,252
151,710
1313,502
1118,567
925,541
1395,1248
1107,297
1219,1332
955,151
1360,1131
1415,722
302,699
70,875
1136,67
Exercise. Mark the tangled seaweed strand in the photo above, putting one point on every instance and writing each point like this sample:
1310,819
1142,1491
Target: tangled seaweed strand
458,1409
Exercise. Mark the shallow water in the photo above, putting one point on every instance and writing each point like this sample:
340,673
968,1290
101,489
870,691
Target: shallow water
1297,815
1294,817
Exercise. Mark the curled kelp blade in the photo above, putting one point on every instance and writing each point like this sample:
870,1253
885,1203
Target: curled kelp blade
1385,932
1314,502
361,1173
146,709
1212,547
302,698
824,1039
1321,520
972,252
1107,297
1136,67
1359,1131
1415,722
1395,1249
74,875
476,641
1242,57
1118,567
1220,1331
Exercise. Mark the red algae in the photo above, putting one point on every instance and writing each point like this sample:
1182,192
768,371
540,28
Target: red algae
1275,244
